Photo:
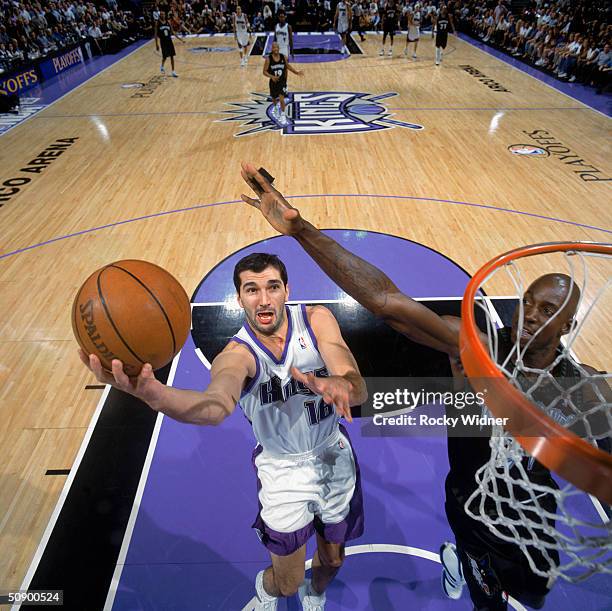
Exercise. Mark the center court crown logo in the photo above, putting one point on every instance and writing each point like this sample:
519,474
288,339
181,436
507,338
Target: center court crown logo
317,112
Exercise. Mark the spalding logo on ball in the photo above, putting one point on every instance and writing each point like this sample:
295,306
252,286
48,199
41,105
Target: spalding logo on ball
133,311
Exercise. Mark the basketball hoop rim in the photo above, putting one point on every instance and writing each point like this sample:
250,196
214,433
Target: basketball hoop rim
558,449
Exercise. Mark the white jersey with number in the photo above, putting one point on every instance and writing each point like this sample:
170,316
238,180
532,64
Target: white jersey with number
281,32
414,27
343,24
242,33
286,417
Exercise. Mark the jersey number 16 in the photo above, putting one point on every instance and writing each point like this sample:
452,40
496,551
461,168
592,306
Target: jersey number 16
317,411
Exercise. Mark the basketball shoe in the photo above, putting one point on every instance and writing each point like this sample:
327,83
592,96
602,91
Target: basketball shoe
452,573
264,601
311,601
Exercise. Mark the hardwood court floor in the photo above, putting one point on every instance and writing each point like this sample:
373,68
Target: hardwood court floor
147,154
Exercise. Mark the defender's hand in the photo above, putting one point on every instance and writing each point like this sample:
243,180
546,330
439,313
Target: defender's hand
271,203
335,390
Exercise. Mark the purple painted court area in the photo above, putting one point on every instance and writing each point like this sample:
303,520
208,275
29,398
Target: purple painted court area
587,95
49,91
192,545
323,42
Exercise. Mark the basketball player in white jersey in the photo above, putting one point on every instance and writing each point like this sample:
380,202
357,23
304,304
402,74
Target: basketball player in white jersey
342,19
241,34
283,35
293,376
414,29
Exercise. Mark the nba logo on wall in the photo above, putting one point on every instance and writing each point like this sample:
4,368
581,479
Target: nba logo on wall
316,112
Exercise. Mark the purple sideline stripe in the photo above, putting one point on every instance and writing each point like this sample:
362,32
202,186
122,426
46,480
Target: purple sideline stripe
132,114
364,195
582,93
50,91
450,108
308,327
254,337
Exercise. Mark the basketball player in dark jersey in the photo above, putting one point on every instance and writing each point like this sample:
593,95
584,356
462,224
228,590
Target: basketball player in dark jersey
390,15
491,567
275,69
163,37
442,22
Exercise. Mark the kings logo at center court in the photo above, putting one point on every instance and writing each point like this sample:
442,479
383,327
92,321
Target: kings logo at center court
316,112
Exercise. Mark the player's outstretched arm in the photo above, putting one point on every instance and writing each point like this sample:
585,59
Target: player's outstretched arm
229,371
344,386
364,282
292,69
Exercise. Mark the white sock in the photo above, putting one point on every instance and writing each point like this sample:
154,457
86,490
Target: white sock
437,54
259,588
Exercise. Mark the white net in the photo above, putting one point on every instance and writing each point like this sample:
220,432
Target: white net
562,531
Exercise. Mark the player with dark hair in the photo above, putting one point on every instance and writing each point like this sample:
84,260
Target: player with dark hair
163,37
283,35
293,375
442,22
389,17
491,567
275,68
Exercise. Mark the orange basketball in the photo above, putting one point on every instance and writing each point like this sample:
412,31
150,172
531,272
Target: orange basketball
133,311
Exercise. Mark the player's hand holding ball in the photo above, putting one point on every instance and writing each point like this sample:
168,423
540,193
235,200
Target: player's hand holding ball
145,386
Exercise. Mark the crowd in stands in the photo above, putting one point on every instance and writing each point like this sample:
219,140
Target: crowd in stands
569,38
33,30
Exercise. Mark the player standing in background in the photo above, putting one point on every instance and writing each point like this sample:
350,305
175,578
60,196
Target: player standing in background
241,34
342,20
390,14
283,35
163,38
374,16
414,29
275,68
293,376
155,15
442,22
358,14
